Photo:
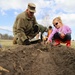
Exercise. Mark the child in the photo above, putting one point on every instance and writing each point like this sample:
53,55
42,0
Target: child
61,33
49,31
46,34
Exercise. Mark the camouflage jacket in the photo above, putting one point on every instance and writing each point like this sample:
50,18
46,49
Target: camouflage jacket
23,25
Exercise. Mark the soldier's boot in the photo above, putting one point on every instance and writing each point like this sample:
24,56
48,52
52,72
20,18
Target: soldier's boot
14,40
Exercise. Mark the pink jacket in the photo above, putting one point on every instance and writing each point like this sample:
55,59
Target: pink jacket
64,29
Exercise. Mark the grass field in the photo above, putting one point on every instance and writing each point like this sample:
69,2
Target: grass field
7,43
73,44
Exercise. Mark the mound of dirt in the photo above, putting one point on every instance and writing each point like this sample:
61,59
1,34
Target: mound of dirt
37,59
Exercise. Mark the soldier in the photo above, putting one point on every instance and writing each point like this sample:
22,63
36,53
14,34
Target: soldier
26,26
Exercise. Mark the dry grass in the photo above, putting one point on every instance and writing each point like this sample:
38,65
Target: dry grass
7,43
73,44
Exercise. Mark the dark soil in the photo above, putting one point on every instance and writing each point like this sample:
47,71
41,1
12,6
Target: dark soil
37,59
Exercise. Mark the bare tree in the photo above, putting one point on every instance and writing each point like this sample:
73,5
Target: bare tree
46,20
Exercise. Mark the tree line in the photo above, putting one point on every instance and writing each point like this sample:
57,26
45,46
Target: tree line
6,37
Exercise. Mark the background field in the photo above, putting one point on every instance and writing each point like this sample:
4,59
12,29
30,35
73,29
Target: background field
7,43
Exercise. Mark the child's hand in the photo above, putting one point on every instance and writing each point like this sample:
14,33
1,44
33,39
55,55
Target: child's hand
47,42
45,39
62,35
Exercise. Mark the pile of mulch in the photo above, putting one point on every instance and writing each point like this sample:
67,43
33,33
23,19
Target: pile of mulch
37,59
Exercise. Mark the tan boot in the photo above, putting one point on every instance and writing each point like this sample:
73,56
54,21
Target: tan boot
14,40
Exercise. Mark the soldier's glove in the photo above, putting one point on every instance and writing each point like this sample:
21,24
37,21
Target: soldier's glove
26,42
35,28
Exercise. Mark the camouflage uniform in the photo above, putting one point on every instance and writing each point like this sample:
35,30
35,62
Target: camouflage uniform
23,28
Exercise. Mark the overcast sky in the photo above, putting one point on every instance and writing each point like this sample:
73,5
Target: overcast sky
46,11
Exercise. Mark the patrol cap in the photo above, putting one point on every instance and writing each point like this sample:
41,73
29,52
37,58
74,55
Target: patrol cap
31,7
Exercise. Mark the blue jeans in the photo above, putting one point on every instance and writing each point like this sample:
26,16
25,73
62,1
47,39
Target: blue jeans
66,38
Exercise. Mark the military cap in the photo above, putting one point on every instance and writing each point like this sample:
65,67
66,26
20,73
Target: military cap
31,7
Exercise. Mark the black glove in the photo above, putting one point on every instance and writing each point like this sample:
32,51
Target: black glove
26,42
35,28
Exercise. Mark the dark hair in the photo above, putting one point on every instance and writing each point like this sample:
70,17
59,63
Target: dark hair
50,27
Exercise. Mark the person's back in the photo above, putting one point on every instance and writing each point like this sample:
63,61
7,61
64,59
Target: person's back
26,23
